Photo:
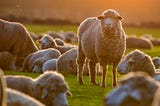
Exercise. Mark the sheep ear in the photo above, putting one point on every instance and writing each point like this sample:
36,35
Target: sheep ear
119,18
44,93
100,17
69,93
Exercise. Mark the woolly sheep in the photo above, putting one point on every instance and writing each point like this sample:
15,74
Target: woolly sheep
15,39
50,65
66,63
154,41
59,42
48,42
10,97
138,43
101,39
49,88
46,54
136,89
54,35
136,61
156,62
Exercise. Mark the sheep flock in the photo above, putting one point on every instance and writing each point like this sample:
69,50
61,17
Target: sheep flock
100,42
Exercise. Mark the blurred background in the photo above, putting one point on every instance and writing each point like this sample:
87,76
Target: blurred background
144,13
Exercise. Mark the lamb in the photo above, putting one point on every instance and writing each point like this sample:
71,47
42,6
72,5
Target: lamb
15,39
101,39
66,63
50,65
135,89
138,43
156,62
48,42
46,54
49,88
10,97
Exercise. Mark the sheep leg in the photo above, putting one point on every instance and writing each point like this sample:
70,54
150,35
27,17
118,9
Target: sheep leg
92,68
104,75
114,75
80,65
13,63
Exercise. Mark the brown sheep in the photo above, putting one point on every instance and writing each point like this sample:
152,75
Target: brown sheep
102,40
15,39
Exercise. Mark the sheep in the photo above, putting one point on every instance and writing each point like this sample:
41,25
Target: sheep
156,62
50,65
10,97
135,89
154,41
49,88
48,42
136,61
46,54
59,42
66,63
15,39
102,40
138,43
54,35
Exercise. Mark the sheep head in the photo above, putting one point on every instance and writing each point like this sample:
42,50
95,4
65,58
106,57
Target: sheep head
53,88
110,19
37,65
47,42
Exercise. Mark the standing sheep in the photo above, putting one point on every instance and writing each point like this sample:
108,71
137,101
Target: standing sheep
49,88
15,39
101,39
136,89
45,54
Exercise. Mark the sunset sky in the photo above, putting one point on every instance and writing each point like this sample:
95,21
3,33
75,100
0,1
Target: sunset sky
133,11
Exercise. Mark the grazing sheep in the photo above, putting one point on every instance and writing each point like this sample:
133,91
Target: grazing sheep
136,61
46,54
101,39
154,41
138,43
9,97
49,88
66,63
136,89
59,42
48,42
156,62
15,39
54,35
69,37
49,65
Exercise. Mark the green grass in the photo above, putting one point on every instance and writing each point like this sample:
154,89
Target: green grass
88,94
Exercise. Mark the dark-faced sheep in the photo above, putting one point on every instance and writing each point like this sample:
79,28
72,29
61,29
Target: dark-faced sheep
101,39
46,54
136,89
10,97
48,42
15,39
49,88
138,43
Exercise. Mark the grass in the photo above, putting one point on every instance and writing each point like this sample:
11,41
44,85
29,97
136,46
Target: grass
88,94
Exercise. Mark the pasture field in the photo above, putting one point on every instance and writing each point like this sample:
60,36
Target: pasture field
88,94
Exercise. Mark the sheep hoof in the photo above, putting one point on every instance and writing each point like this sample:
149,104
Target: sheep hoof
81,82
103,85
95,83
